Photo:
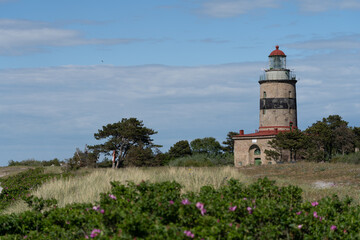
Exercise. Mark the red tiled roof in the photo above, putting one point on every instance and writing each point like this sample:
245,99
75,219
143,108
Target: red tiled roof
262,133
277,52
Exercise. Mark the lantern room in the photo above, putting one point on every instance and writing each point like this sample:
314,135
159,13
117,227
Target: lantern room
277,59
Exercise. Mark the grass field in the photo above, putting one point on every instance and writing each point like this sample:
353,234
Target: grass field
316,179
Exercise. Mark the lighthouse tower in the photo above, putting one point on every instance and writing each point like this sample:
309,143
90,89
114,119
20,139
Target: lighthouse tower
277,95
277,113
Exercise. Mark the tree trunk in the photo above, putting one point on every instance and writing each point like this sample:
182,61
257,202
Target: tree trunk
113,160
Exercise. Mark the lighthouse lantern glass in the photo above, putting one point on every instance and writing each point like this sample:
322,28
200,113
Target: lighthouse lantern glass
277,62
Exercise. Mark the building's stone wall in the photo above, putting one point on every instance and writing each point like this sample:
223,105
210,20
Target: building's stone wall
244,153
278,117
278,89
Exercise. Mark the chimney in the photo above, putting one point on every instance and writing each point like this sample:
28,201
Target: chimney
241,132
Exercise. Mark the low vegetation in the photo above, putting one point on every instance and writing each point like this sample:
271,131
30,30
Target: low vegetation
19,185
145,210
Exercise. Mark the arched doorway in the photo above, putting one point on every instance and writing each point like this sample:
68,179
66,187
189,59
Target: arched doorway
255,155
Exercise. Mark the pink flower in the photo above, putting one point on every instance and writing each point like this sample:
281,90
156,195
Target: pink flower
315,215
320,219
333,227
171,202
230,224
96,208
203,211
189,234
102,211
298,213
245,198
232,209
200,206
314,204
186,202
112,196
300,226
249,210
95,232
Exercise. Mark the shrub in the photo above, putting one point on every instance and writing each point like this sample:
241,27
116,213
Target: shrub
353,158
203,160
158,210
17,186
35,163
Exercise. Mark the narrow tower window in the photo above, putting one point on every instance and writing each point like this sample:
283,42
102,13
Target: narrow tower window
289,94
264,94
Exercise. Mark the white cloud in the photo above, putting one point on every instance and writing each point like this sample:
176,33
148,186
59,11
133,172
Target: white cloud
72,92
325,5
71,102
20,37
347,42
231,8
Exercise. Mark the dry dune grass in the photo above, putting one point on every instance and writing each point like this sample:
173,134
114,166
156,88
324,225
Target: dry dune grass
88,187
317,180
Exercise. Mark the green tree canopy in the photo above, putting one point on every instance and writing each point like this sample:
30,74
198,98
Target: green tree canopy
293,141
207,145
229,143
180,149
123,135
356,131
139,156
331,136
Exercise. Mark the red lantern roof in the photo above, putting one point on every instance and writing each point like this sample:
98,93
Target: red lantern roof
277,52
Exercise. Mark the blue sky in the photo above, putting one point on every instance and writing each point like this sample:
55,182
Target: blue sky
188,69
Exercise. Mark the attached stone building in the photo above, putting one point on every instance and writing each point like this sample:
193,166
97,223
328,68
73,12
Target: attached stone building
277,112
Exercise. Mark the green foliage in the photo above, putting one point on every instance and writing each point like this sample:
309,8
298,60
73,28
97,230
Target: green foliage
180,149
203,160
86,158
293,141
234,211
39,204
229,143
18,186
356,131
121,136
319,142
35,163
353,158
105,163
273,154
207,145
330,137
139,156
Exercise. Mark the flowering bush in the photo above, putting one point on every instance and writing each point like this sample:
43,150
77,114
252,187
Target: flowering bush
158,211
17,186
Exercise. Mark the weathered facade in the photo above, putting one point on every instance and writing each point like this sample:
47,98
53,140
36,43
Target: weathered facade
278,112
